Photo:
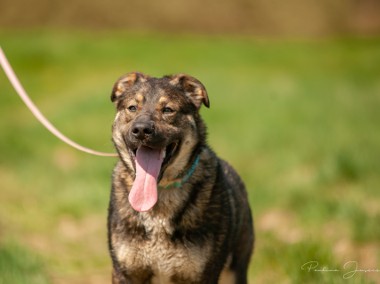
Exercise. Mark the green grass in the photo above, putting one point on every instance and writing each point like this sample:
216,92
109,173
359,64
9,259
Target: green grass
18,265
298,119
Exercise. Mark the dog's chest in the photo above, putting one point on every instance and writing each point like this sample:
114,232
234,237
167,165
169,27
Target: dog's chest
159,254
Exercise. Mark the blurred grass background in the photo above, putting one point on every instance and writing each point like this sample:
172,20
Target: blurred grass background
298,117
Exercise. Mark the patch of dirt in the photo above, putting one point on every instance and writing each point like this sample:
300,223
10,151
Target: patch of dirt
282,224
93,278
75,250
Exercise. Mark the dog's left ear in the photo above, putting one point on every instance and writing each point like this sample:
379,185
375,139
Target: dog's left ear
192,87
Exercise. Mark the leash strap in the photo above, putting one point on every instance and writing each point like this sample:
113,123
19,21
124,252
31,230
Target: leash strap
40,117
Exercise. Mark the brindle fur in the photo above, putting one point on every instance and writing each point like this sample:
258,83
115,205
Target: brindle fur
199,233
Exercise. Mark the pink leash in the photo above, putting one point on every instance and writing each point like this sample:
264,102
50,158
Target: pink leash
41,118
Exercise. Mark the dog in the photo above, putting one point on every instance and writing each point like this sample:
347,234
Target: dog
177,213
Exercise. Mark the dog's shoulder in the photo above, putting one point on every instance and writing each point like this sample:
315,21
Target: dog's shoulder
231,178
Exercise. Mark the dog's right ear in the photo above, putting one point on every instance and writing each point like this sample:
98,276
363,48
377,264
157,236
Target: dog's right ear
126,82
192,87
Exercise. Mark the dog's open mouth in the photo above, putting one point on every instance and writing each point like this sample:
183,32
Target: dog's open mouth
150,164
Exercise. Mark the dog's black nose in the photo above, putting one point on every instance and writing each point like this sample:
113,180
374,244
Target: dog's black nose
142,130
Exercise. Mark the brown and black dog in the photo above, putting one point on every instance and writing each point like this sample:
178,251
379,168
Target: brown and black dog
178,213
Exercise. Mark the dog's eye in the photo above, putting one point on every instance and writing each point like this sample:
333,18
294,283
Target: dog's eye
132,108
167,110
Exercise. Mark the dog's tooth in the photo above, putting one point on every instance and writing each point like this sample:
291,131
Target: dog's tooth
163,153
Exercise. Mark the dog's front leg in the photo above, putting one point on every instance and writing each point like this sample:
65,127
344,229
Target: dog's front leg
118,278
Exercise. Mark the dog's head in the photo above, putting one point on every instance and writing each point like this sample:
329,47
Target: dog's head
156,129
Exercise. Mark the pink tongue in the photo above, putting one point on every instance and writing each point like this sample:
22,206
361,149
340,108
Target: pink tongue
143,195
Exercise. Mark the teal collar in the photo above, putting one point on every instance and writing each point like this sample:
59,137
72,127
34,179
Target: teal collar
178,184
